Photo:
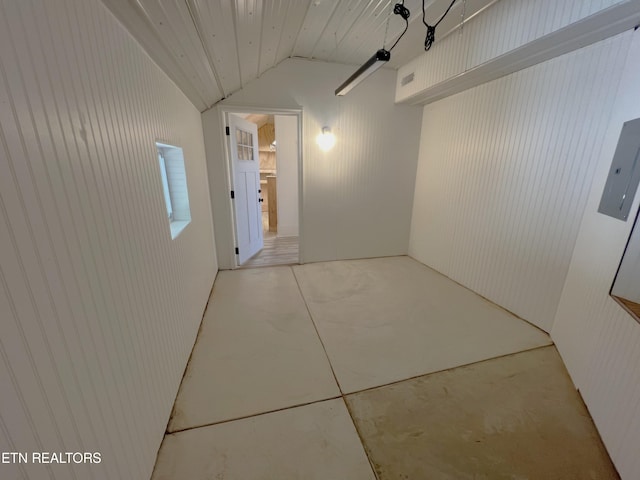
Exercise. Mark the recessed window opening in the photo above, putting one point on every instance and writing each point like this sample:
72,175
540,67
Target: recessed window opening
174,187
165,185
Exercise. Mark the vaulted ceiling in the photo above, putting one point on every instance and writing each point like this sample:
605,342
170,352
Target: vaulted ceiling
212,48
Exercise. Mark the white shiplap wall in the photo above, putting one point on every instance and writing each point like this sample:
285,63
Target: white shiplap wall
598,340
502,28
503,176
357,197
99,308
286,127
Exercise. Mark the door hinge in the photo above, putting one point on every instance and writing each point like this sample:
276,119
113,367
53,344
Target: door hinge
237,251
233,194
226,130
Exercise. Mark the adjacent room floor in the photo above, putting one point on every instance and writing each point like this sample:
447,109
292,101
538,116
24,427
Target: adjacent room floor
368,369
276,251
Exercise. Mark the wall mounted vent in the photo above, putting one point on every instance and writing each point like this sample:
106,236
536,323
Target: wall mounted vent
407,79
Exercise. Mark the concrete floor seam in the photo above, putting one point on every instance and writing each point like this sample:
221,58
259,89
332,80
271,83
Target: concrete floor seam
361,438
315,327
254,415
355,392
343,395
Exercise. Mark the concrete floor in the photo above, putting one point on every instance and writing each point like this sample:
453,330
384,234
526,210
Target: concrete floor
514,417
355,370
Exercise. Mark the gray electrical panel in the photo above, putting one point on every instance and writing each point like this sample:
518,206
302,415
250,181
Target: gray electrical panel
624,175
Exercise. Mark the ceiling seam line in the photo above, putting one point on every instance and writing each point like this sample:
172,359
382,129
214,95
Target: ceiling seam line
212,67
335,49
147,19
363,41
333,12
260,39
234,11
171,26
362,45
295,44
286,17
467,19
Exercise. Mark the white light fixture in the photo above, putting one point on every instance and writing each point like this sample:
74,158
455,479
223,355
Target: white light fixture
381,57
326,140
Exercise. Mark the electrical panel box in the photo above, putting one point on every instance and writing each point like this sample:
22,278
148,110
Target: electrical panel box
624,175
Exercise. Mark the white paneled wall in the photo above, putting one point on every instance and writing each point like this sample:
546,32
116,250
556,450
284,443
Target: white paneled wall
99,308
512,23
503,176
287,157
598,340
357,197
506,26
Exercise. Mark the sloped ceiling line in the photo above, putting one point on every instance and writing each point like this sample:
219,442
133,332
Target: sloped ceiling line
213,48
286,17
174,19
353,22
260,40
234,9
293,48
198,26
324,29
151,36
363,37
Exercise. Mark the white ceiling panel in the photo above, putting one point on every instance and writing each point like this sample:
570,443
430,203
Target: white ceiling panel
368,33
274,17
318,16
175,27
248,23
215,21
212,48
346,15
294,20
134,20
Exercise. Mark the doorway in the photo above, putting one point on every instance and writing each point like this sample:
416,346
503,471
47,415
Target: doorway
277,150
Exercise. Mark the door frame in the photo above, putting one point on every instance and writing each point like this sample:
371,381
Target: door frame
223,112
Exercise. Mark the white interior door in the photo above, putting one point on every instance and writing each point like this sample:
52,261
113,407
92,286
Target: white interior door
246,182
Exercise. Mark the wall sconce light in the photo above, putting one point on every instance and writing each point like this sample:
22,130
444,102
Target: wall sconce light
326,140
